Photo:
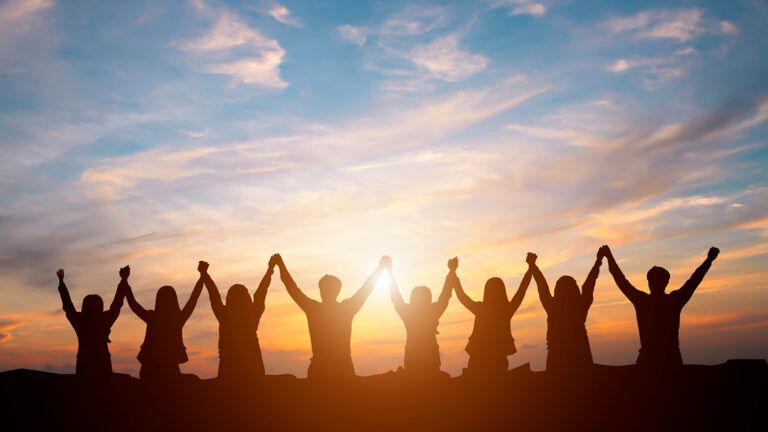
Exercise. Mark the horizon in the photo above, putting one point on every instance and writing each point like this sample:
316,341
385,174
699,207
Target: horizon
334,133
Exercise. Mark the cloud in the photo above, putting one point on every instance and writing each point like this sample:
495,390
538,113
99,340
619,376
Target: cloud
414,20
283,15
235,49
522,7
654,71
5,329
445,60
18,12
682,25
352,34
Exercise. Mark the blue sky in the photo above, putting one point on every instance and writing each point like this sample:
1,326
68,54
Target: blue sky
158,133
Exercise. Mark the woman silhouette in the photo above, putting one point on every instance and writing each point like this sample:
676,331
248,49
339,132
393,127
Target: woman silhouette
92,326
239,350
421,318
567,340
491,340
163,348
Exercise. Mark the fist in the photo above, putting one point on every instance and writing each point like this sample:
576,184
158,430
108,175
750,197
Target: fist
125,272
202,267
453,264
385,263
531,258
713,253
60,273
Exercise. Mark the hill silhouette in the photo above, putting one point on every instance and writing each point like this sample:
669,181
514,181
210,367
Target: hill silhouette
604,398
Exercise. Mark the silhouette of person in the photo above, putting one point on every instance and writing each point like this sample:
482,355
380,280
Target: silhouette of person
421,318
330,321
491,340
658,314
92,326
567,340
239,350
163,349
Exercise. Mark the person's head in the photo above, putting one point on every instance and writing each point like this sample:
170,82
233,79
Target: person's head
421,296
658,278
495,292
166,300
237,296
566,290
330,287
92,305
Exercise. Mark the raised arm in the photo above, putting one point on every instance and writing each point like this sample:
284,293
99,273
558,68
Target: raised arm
394,294
140,312
66,300
545,296
464,299
629,291
213,295
445,295
260,296
296,294
517,299
189,307
689,287
361,295
588,288
117,302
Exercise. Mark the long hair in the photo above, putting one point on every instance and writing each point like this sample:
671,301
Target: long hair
238,299
566,291
166,300
495,293
421,296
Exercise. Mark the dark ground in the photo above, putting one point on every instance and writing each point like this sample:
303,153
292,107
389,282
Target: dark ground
730,396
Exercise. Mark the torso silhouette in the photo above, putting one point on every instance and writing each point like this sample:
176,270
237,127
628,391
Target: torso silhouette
330,332
238,339
421,349
163,342
92,338
658,320
567,340
492,332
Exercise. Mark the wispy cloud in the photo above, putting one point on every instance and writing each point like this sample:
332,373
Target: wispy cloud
445,60
352,34
682,25
522,7
240,51
283,15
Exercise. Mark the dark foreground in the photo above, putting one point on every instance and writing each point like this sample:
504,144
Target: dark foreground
733,395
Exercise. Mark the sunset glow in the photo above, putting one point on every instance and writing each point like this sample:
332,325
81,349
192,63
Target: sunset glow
157,135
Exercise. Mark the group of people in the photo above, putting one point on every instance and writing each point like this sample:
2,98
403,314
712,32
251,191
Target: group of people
330,322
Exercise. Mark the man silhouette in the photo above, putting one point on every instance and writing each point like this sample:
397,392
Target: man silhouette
330,321
658,314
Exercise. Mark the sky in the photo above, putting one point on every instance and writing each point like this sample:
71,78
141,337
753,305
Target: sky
156,134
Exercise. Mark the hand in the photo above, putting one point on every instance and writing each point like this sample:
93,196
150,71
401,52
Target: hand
385,263
453,264
202,267
125,272
273,261
605,251
60,274
278,260
531,258
713,253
